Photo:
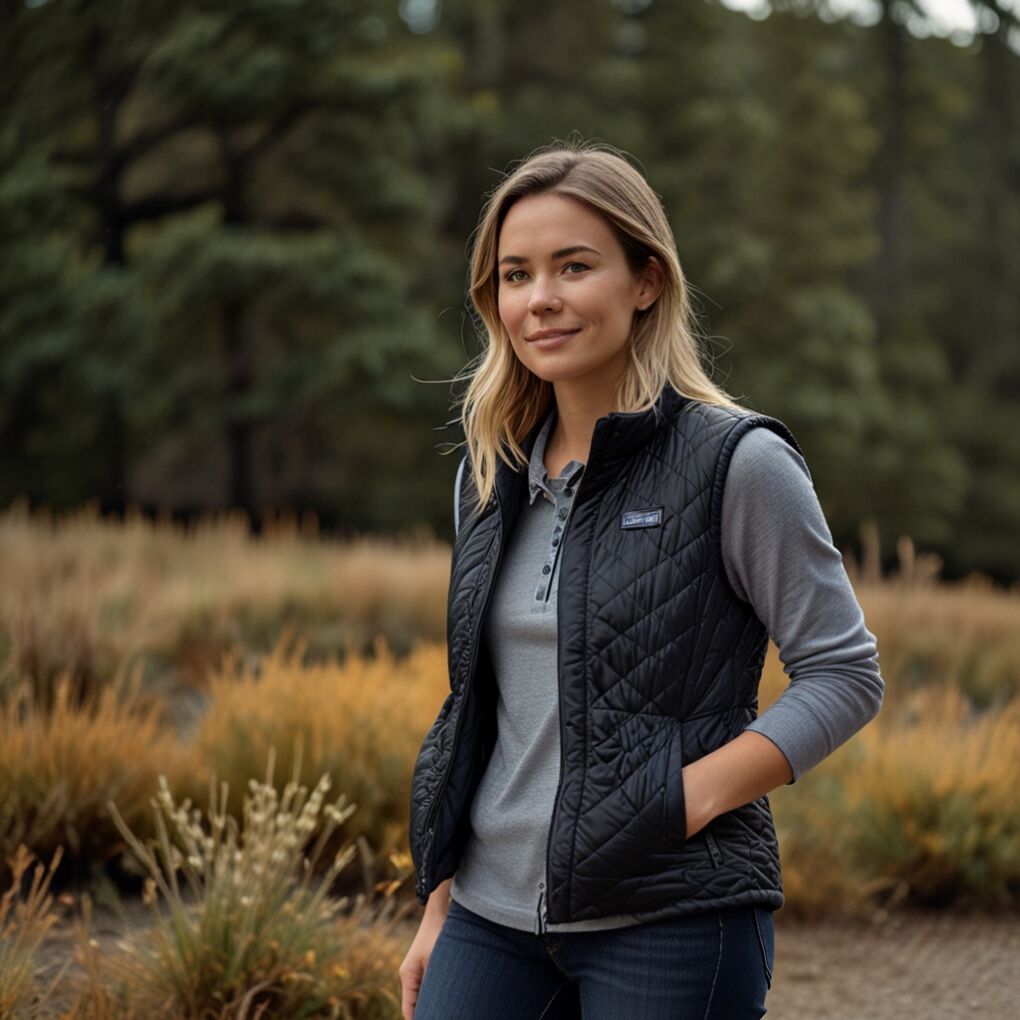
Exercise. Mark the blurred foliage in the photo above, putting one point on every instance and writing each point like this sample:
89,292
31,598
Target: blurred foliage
60,764
132,654
889,818
232,241
26,916
104,603
358,722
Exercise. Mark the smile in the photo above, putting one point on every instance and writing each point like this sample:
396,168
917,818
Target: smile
548,339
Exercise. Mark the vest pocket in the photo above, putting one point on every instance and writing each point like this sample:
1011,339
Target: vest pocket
713,849
674,805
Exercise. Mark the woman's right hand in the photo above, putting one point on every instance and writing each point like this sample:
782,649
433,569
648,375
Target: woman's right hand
412,970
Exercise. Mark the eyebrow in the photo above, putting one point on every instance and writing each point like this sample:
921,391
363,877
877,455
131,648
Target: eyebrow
518,260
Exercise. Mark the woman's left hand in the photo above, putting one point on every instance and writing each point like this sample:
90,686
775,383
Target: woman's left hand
747,767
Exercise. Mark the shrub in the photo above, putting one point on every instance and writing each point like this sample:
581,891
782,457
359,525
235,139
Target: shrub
59,767
361,722
24,924
922,806
936,803
246,930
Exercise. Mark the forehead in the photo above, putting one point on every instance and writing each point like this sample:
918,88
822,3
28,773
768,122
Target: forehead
548,221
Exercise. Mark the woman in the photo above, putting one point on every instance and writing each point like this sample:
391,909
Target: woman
589,820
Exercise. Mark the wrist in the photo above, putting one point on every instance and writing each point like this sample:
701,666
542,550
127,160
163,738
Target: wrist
700,795
439,901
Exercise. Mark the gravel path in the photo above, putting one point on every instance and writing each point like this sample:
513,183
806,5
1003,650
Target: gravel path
910,965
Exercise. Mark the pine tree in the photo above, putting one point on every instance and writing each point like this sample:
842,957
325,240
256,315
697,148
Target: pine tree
244,175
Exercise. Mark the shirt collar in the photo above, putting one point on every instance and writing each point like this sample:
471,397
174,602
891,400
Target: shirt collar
538,477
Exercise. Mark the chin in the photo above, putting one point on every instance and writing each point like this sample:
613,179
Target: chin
552,374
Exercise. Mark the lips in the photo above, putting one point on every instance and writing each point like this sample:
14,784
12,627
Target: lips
549,338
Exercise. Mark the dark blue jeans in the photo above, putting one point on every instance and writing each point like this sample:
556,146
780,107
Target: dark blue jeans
713,965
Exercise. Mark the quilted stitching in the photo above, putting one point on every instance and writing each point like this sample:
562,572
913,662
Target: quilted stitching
653,639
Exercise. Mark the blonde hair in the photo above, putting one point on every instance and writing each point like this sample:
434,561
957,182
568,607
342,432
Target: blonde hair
504,400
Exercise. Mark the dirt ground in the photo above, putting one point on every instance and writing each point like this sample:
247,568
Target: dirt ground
910,965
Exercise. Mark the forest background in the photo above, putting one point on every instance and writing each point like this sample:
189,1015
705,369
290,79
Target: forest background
233,239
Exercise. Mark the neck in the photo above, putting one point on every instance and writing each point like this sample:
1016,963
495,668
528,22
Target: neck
579,405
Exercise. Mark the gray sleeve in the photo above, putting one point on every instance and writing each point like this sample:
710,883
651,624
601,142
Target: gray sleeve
779,557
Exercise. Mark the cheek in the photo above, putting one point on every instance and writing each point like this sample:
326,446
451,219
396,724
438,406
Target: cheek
509,309
618,307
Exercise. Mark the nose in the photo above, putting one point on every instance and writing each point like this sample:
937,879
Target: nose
543,297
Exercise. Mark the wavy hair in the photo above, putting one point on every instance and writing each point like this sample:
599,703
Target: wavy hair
504,400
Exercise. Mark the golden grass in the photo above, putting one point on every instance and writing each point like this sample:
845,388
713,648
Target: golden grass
936,800
91,596
922,805
25,921
60,765
907,808
360,721
963,634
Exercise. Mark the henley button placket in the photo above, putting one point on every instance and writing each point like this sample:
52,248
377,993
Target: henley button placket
559,492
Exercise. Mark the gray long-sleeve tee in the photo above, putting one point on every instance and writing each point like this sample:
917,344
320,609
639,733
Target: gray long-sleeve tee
779,557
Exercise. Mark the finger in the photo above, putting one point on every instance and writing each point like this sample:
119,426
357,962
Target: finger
409,998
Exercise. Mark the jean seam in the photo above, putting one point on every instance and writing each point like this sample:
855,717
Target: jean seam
718,964
761,943
566,981
551,949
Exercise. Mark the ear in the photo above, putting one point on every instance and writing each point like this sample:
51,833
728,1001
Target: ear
652,280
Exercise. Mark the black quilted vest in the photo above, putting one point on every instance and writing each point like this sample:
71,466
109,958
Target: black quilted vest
659,664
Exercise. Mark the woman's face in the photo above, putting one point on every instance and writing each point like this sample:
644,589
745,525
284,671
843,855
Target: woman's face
567,296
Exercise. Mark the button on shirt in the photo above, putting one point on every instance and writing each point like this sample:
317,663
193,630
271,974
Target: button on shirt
560,493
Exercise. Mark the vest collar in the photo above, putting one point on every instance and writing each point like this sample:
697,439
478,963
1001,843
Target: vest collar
620,434
616,438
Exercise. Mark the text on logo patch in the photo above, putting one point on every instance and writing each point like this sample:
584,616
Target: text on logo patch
650,518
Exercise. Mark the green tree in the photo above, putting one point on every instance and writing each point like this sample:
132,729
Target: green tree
248,171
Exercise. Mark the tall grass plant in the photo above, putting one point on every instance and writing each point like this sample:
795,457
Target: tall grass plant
61,764
361,721
26,917
243,924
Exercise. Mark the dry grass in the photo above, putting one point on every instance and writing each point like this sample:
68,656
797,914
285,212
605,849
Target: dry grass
360,722
25,920
92,597
917,806
936,802
241,928
59,765
963,633
921,807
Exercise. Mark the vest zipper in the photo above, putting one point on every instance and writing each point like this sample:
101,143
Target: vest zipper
429,845
542,919
430,833
713,849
